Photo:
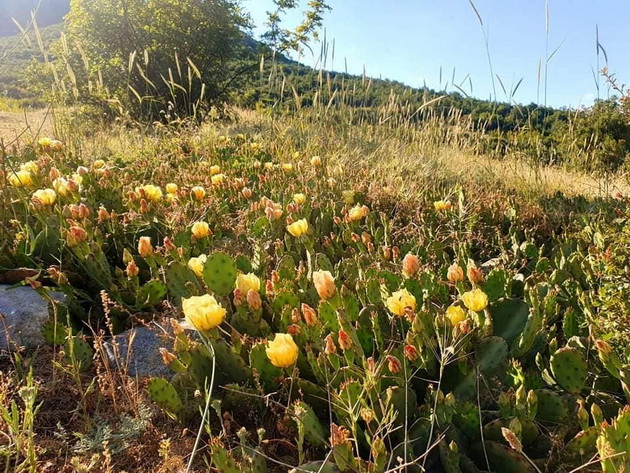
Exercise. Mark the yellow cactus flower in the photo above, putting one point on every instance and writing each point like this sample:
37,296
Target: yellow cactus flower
298,228
98,164
324,284
145,248
30,166
245,282
268,166
215,170
282,351
399,301
455,314
21,179
348,197
44,143
61,186
200,230
172,188
217,179
198,192
197,264
357,212
203,312
475,300
44,197
299,198
442,205
287,167
153,193
316,161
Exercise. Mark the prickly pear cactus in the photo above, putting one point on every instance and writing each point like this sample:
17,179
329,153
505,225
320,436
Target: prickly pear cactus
551,407
181,282
569,369
164,394
78,351
219,273
491,353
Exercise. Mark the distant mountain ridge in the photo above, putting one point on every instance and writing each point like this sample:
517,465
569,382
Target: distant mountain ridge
47,12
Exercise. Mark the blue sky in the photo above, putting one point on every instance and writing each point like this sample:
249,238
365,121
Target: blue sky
410,40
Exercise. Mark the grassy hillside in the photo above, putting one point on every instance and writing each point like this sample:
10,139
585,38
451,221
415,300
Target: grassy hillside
16,53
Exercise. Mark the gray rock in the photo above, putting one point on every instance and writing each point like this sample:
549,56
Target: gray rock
143,357
23,312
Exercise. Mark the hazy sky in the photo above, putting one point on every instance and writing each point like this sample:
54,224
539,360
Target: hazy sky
409,40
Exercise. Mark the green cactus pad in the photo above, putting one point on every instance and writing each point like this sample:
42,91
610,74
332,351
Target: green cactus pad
181,282
267,373
219,273
491,353
308,424
569,369
78,350
164,395
151,293
509,317
551,407
583,446
501,458
495,284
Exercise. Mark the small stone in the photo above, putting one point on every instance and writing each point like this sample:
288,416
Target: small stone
23,313
144,358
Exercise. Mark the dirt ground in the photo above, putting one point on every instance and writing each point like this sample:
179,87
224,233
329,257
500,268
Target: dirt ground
23,127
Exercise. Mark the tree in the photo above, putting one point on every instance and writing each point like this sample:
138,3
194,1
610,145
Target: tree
161,56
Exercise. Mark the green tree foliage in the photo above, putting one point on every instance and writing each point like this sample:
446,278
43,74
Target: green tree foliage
165,54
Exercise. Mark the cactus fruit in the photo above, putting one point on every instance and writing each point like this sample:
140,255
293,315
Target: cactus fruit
164,394
569,369
219,273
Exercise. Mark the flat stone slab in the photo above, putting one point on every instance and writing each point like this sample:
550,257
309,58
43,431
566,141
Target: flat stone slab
143,357
23,313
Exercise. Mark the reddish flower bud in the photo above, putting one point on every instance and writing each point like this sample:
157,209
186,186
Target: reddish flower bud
330,345
393,364
345,343
309,314
253,300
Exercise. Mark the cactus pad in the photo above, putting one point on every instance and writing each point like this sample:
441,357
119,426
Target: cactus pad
219,273
570,369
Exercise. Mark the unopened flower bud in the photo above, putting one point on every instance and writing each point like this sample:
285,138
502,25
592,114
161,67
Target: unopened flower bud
145,249
393,364
455,273
410,265
411,353
475,275
309,314
345,343
75,236
330,345
132,269
254,302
